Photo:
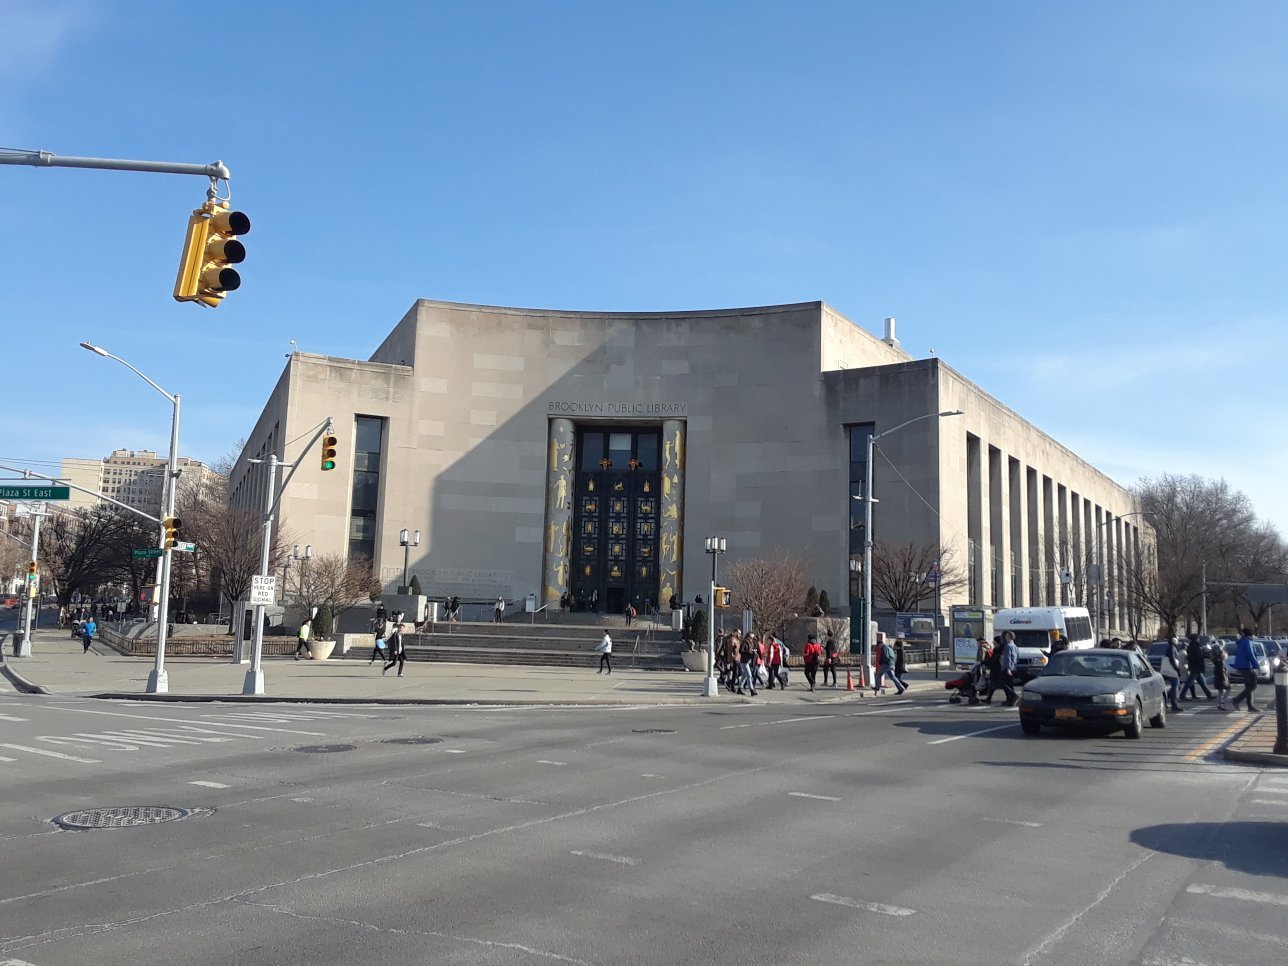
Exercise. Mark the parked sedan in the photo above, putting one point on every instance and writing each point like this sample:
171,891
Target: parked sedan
1101,689
1264,672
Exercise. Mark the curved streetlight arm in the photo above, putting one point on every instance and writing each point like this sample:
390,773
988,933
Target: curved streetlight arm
103,352
895,429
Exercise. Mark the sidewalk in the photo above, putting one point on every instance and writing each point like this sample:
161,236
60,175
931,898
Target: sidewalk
58,666
1256,743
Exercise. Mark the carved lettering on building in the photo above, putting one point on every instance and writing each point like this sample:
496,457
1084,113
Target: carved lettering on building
568,407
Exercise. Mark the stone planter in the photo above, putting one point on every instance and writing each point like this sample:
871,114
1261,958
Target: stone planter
695,660
321,650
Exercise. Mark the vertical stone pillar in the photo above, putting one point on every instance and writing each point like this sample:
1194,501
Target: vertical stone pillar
556,560
671,537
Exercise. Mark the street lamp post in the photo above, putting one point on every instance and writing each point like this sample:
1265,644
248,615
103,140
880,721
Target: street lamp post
158,679
710,687
407,539
868,500
856,602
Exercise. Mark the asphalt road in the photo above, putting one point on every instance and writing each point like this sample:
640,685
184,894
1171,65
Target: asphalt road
877,832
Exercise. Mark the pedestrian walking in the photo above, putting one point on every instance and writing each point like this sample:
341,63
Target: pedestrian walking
887,669
812,654
900,664
1002,669
829,658
498,612
747,663
1196,654
302,639
605,649
397,650
629,611
87,633
1220,677
777,661
1245,665
1169,666
380,629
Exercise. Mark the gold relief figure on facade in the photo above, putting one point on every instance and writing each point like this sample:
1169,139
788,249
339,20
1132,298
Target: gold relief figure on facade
643,570
672,512
561,573
615,570
617,529
553,458
588,528
590,485
586,571
646,528
648,487
618,506
669,547
561,493
666,488
646,551
587,549
679,450
551,530
666,452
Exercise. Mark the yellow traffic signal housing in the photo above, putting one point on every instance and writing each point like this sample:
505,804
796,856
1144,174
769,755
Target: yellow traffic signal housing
210,249
33,570
328,452
172,526
724,599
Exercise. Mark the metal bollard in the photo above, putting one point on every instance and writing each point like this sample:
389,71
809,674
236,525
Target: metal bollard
1281,711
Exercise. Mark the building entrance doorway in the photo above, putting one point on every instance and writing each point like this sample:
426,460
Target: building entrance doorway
616,519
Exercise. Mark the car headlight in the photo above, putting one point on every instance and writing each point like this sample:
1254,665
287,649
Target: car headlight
1118,697
1029,695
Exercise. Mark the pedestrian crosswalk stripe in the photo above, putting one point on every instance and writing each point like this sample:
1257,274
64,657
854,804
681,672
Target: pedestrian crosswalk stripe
1247,895
51,754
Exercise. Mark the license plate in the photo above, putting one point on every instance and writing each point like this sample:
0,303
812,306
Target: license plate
1065,713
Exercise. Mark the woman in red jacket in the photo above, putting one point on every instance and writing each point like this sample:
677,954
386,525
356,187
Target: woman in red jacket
812,653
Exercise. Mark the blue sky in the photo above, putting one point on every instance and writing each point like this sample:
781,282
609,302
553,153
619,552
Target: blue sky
1079,205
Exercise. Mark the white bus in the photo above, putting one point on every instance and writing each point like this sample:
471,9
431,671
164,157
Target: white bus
1033,626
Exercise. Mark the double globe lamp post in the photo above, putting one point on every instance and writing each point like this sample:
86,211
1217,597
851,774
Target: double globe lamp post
710,687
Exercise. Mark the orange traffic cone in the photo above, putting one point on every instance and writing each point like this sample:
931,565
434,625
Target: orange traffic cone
849,681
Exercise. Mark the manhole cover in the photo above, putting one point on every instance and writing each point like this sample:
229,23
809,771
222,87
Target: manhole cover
653,731
410,741
121,816
323,749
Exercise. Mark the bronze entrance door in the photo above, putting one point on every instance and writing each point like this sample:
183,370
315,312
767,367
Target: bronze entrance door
616,519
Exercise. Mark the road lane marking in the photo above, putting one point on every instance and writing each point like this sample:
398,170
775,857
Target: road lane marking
209,784
453,751
942,741
9,717
1269,801
880,907
185,721
1246,895
543,761
1011,821
605,857
52,754
888,706
821,798
3,758
1208,746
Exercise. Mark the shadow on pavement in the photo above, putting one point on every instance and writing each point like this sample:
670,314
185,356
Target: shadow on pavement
960,727
1256,848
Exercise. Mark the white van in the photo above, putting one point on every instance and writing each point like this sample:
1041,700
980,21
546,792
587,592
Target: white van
1032,627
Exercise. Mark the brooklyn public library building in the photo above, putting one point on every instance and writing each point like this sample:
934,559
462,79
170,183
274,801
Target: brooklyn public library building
554,452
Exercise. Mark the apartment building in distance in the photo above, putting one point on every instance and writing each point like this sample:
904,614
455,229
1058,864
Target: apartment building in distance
133,477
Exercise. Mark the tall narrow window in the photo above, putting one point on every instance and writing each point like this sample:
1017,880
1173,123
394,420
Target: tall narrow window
859,435
368,437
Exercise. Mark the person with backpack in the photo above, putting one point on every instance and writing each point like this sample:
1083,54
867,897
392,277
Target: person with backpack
887,668
1245,663
397,652
811,655
829,658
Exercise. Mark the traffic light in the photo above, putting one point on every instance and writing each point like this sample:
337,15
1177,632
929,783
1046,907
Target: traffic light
33,571
723,598
210,249
328,452
172,527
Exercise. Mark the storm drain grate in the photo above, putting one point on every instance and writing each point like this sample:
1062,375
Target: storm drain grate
122,816
653,731
323,749
411,741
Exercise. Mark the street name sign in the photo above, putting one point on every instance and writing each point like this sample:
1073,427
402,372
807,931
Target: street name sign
263,590
148,552
11,492
186,547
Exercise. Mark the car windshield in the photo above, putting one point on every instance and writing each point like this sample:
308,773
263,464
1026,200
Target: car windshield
1040,639
1078,664
1158,647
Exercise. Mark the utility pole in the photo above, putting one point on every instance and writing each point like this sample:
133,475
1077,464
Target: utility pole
33,583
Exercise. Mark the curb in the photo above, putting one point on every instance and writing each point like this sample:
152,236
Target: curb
18,681
1256,757
449,702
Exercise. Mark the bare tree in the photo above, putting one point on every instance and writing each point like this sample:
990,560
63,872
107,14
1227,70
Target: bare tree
900,573
331,584
772,588
228,540
80,550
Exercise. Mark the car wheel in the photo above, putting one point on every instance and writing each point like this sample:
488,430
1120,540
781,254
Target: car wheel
1132,728
1159,720
1030,727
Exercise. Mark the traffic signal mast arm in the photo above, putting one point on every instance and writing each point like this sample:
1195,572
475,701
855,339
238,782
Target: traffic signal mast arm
215,171
325,429
30,474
